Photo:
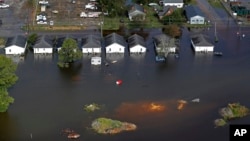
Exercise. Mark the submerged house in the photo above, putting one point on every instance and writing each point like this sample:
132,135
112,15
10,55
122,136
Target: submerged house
91,44
194,15
16,45
201,43
44,45
115,43
136,13
96,60
136,44
164,45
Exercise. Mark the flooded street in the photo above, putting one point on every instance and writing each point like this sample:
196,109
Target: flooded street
48,99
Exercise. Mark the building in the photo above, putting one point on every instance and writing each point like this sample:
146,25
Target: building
115,43
91,44
166,11
136,13
194,15
177,3
164,45
136,44
60,40
43,45
201,43
16,45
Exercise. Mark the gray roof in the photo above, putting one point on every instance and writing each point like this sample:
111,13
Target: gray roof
18,40
44,41
136,7
172,1
114,38
91,41
162,40
192,11
165,10
201,40
136,40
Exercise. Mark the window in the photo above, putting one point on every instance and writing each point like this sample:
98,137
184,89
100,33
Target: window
9,50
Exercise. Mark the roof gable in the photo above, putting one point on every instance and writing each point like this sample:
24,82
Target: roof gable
44,41
136,40
114,38
136,7
18,40
201,40
91,41
192,11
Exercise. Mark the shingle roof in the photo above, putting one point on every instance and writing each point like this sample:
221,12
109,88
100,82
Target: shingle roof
114,38
44,41
172,1
136,7
18,40
162,40
192,11
165,10
91,41
201,40
136,40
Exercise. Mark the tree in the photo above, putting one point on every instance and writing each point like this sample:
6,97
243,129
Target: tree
7,79
172,30
69,52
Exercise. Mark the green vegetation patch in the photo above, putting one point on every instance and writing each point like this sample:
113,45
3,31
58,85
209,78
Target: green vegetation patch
101,125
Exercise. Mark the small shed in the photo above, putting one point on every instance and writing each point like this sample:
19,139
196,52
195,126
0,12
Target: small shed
201,43
96,60
115,43
16,45
136,44
194,15
136,13
43,45
91,44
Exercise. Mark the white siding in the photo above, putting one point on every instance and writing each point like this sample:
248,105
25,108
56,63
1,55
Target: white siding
137,49
197,20
96,60
14,50
43,50
203,48
178,5
91,50
115,48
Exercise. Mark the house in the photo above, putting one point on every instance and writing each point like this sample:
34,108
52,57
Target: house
164,45
166,11
44,45
201,43
96,60
16,45
91,44
177,3
136,13
194,15
115,43
136,44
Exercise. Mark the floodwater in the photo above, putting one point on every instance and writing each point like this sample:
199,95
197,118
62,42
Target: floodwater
48,99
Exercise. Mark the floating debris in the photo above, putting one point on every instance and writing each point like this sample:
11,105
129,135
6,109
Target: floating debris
92,107
219,122
113,62
118,82
196,100
109,126
71,134
181,104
